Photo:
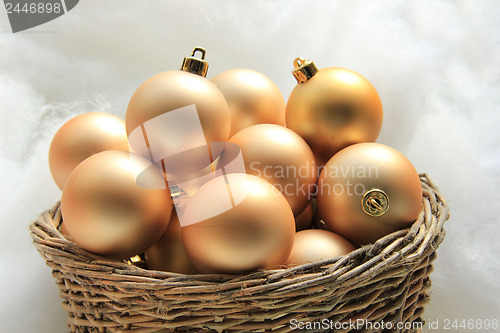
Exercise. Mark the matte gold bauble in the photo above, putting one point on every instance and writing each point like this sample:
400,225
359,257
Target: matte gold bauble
105,212
239,223
81,137
315,245
168,253
252,98
170,91
367,191
304,220
281,157
332,108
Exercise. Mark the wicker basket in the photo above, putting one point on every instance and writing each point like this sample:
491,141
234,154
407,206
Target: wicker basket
387,281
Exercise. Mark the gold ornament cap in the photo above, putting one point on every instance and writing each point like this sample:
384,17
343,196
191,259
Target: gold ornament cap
196,65
304,69
375,202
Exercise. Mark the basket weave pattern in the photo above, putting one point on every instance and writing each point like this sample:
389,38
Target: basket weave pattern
388,281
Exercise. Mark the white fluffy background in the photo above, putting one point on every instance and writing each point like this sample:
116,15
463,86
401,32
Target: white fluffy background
436,65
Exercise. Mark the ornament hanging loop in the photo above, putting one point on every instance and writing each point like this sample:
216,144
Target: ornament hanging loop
303,69
196,65
375,202
299,62
201,50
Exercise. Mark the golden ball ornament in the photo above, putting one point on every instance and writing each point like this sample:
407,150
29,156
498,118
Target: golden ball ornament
81,137
168,253
304,220
252,98
332,108
280,156
153,112
367,191
105,212
315,245
239,223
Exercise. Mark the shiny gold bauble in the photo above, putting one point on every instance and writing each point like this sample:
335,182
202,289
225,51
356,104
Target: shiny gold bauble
240,223
252,98
172,90
304,220
333,109
168,253
281,157
105,212
81,137
367,191
315,245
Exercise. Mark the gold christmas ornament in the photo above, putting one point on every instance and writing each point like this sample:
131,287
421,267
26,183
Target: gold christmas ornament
367,191
252,98
81,137
157,117
304,220
168,253
105,212
239,223
281,157
332,108
315,245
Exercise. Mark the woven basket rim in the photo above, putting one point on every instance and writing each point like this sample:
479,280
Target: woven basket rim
46,236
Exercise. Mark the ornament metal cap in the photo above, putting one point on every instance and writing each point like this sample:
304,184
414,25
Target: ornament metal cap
196,65
375,202
304,69
177,193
